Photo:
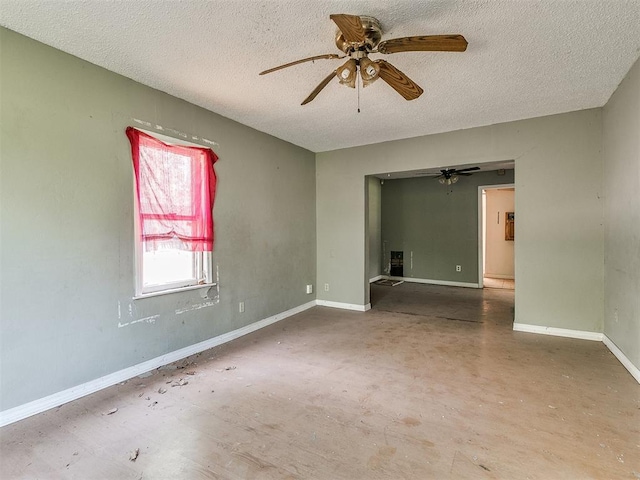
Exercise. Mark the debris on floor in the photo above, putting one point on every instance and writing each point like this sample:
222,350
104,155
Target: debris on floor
162,390
110,412
133,455
168,367
226,368
186,364
180,383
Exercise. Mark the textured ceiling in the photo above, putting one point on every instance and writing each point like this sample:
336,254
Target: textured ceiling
525,59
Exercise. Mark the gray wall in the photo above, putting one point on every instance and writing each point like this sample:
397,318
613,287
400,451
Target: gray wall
558,184
621,134
374,206
67,224
436,223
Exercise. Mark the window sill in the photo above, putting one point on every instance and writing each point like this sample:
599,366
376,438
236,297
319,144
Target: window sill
173,290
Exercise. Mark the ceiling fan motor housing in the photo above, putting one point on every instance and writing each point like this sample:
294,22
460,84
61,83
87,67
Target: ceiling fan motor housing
372,33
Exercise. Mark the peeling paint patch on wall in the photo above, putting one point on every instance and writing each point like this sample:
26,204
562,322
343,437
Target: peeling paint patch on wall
198,306
176,133
151,319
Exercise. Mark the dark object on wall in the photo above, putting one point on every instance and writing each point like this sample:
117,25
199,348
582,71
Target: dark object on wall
397,268
509,226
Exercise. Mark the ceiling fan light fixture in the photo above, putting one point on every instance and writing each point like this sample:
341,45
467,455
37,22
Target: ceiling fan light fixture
369,71
449,180
347,73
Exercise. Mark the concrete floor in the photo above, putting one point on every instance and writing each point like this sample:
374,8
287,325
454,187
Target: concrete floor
431,383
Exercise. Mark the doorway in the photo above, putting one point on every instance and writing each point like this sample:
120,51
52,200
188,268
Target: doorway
496,218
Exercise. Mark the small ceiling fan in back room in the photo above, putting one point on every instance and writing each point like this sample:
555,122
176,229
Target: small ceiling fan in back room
358,37
449,176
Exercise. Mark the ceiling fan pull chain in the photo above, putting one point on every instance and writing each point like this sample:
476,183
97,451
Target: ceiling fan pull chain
358,80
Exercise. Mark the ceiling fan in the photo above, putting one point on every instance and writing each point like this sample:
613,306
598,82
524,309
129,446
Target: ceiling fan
359,36
449,176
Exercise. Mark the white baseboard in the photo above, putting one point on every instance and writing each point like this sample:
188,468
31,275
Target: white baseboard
558,332
445,283
499,276
582,335
51,401
376,278
344,306
633,370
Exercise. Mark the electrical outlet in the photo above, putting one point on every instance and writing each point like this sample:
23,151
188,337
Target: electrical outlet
309,288
241,307
458,268
326,287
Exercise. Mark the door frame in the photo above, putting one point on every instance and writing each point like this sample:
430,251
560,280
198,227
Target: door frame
481,225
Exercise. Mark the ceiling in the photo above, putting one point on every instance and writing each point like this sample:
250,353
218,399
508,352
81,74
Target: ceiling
525,58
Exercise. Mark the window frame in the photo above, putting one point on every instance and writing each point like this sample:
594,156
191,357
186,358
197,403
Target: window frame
203,260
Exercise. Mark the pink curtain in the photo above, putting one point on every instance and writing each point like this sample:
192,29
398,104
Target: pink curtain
175,189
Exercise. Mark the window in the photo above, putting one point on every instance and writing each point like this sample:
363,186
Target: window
174,193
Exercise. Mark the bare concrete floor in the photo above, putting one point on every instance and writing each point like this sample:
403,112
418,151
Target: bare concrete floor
431,383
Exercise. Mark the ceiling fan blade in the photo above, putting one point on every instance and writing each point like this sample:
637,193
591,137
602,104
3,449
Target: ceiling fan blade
463,174
350,26
317,90
468,169
399,81
328,56
425,43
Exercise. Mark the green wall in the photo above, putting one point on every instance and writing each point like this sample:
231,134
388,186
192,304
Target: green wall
374,226
558,181
436,226
66,204
621,139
